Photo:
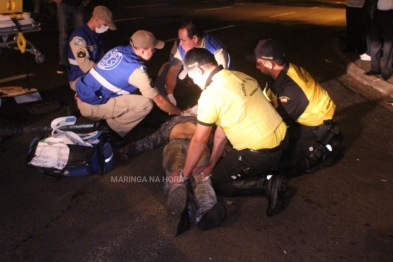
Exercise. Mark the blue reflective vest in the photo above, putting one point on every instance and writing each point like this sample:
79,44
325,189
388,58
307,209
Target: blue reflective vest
212,44
109,78
94,47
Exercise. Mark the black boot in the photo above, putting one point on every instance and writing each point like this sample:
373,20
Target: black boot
275,192
213,217
272,186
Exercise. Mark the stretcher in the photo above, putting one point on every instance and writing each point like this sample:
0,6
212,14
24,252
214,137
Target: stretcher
12,28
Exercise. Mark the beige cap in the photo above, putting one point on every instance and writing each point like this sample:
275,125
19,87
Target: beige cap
145,39
105,14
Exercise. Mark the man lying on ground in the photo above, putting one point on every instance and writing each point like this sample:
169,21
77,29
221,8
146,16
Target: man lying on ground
178,132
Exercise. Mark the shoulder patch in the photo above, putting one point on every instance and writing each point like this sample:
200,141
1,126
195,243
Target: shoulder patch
81,53
78,41
143,69
284,99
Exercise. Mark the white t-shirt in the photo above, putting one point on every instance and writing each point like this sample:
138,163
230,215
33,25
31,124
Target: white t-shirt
385,5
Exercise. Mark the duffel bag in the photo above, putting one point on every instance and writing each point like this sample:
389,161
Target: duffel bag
66,153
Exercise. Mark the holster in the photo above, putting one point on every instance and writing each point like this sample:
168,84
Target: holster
325,132
314,150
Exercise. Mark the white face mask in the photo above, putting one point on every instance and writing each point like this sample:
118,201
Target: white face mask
102,29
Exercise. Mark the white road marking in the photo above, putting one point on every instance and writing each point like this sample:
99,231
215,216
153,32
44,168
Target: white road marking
220,28
127,19
210,9
12,78
282,14
207,31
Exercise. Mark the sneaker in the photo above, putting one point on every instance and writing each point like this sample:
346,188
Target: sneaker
386,76
365,57
177,213
213,217
373,73
61,69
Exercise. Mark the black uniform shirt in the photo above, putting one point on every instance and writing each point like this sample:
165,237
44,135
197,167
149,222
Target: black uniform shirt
290,100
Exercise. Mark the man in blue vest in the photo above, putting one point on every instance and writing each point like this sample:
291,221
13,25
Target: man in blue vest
190,36
85,47
107,91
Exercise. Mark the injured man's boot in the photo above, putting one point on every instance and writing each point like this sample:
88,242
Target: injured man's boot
211,212
177,212
212,217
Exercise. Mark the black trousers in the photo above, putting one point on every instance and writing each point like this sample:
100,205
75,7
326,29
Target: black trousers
356,33
380,30
294,161
244,164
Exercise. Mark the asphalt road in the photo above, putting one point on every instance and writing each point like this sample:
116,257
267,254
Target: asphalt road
342,213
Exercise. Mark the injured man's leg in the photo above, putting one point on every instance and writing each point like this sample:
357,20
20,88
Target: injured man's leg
177,127
199,206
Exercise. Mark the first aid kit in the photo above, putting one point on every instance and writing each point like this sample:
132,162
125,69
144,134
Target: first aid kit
66,153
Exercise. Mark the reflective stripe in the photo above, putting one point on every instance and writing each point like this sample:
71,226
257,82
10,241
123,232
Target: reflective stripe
106,84
109,159
72,62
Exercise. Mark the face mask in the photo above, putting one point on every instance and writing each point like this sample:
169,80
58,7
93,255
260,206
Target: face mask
102,29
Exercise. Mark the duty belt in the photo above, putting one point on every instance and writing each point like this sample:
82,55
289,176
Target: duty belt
266,150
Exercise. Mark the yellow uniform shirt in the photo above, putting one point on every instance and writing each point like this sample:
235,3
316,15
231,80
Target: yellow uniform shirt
235,102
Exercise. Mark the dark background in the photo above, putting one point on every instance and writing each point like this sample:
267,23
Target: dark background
342,213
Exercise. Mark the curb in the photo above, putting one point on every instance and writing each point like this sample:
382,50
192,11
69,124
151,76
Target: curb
358,73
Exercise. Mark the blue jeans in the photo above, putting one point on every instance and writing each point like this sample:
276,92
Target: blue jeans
65,15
